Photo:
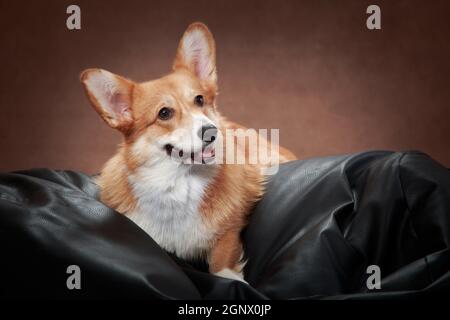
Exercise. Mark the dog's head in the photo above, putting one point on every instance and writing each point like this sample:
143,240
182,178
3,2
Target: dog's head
172,116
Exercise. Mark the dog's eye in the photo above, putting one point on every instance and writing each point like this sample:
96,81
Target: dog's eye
198,100
165,113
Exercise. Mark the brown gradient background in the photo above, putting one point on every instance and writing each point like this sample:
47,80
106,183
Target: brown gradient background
310,68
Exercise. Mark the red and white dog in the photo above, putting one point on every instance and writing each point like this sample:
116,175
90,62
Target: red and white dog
190,209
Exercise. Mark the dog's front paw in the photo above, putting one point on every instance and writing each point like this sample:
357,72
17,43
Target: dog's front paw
231,274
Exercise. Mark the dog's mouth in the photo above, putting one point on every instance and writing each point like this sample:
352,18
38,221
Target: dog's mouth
205,156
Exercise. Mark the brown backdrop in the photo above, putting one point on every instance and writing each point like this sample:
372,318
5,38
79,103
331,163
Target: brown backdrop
310,68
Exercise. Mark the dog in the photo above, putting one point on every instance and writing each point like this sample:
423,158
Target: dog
194,210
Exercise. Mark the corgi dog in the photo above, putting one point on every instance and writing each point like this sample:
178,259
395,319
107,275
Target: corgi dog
192,209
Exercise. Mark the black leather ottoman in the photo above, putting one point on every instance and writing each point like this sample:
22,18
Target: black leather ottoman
321,224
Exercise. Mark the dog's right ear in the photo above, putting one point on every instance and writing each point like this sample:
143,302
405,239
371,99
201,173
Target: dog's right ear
110,96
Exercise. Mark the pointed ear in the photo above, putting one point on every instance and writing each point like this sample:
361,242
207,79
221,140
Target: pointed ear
110,96
197,53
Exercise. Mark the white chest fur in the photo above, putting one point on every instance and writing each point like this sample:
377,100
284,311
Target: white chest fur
168,198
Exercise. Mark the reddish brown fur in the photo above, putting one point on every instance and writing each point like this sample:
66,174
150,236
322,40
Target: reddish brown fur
235,189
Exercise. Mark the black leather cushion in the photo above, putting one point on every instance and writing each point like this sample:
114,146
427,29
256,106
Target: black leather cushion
320,225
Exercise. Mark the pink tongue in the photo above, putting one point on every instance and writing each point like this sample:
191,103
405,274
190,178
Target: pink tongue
205,154
208,153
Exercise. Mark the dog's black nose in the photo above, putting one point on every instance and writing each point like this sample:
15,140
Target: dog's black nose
207,133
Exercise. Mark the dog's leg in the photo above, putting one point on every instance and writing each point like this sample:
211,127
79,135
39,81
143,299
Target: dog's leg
225,257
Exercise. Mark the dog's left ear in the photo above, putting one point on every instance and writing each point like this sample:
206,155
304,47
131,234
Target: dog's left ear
197,53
